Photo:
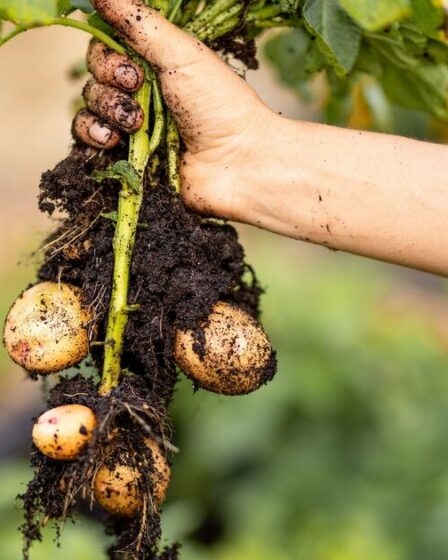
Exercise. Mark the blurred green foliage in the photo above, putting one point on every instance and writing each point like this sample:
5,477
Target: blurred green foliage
371,56
342,457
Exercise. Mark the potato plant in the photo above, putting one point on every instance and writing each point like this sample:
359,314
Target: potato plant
142,285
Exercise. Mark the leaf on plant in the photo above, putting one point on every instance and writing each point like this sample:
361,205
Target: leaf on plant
289,6
289,53
429,16
113,216
123,171
96,21
29,11
337,36
408,81
374,15
83,5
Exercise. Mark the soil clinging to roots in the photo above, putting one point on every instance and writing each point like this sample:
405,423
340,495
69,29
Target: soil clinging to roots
182,265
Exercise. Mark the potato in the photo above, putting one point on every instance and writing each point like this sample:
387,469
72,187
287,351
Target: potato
61,433
162,472
117,489
237,352
46,328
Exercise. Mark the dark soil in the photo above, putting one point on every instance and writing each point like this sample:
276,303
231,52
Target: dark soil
182,265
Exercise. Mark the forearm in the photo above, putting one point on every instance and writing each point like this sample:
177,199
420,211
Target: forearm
381,196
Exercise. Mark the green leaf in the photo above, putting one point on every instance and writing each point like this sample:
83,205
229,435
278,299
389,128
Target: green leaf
429,16
95,20
408,81
64,7
83,5
289,52
29,11
373,15
289,6
113,216
337,36
121,170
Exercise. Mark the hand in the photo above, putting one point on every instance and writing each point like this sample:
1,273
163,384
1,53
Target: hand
221,119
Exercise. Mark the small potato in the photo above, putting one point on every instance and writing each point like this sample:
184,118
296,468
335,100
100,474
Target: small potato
238,355
162,472
117,490
61,433
46,328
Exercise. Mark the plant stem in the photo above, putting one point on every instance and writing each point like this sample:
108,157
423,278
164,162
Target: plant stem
208,15
129,204
175,10
67,22
159,120
173,149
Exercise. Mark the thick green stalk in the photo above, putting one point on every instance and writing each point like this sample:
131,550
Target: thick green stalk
173,150
208,15
129,204
66,22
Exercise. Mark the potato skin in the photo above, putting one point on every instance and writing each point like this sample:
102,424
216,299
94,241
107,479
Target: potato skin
237,352
117,489
46,328
61,433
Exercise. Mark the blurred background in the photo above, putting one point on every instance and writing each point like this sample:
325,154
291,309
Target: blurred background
344,456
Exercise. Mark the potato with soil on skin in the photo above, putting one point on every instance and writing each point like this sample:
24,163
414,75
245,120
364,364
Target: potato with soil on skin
118,491
237,356
46,329
62,433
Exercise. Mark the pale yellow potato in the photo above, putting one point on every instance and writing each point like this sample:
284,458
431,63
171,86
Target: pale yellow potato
61,433
162,472
117,489
237,352
46,329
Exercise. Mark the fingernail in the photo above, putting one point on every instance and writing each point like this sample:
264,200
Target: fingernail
125,117
126,76
100,134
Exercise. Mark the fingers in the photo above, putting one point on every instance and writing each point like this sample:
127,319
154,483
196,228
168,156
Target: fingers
113,69
108,108
114,106
88,129
163,44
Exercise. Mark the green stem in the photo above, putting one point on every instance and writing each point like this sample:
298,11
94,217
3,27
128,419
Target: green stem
189,11
159,121
175,10
268,24
208,15
220,20
173,150
123,244
67,22
267,12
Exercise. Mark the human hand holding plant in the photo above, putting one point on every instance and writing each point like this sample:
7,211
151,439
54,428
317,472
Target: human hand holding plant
220,117
245,163
162,286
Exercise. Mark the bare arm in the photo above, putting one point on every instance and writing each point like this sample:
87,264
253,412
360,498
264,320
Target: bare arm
376,195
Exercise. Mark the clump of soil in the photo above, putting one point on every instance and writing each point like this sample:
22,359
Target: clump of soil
182,265
124,419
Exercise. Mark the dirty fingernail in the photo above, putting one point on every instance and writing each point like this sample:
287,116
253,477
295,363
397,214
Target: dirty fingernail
100,134
126,76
